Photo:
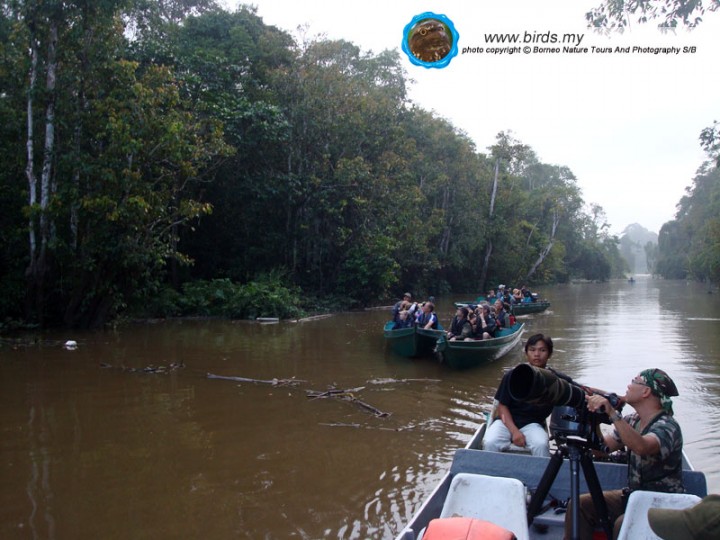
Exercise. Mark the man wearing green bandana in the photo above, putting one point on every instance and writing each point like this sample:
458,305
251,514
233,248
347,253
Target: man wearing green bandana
653,441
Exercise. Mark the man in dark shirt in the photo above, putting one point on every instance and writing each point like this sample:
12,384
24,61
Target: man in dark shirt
517,422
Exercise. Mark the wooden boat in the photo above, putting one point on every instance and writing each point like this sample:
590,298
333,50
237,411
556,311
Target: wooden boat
413,341
523,308
494,486
466,354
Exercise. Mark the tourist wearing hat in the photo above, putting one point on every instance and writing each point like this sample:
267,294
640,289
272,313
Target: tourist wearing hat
699,522
653,440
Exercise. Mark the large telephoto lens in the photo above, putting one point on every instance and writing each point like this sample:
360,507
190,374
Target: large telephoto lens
541,386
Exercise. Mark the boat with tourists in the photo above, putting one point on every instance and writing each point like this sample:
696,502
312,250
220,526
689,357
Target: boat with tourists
412,341
523,308
495,487
461,354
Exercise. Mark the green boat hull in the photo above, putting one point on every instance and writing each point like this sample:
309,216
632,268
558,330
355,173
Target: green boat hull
531,307
412,342
468,354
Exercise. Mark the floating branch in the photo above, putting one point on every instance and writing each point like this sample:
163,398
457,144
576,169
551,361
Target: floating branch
393,381
347,395
147,369
272,382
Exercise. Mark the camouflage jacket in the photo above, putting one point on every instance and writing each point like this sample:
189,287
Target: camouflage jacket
661,471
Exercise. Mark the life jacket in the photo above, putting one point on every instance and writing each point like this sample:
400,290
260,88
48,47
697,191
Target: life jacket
465,528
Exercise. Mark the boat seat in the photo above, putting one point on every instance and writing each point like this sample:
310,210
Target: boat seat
635,523
496,499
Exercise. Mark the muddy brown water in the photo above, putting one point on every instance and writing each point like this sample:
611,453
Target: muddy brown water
93,452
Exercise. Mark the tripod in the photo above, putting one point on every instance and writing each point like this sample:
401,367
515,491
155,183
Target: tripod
579,453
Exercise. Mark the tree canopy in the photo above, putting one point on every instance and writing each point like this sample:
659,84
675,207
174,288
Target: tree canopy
148,145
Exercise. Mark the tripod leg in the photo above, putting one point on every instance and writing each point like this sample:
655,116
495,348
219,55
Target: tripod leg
596,493
575,491
546,482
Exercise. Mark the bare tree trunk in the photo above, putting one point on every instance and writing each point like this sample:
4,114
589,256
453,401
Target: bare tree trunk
48,153
445,240
495,185
30,167
489,247
546,250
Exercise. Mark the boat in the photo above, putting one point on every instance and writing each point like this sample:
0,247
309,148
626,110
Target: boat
495,487
413,341
526,308
467,354
523,308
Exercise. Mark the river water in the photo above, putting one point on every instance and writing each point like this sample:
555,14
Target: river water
106,452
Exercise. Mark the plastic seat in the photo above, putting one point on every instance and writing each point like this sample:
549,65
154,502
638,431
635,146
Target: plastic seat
635,523
491,498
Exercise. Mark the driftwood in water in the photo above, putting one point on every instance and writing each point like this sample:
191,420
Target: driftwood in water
393,381
347,395
273,382
147,369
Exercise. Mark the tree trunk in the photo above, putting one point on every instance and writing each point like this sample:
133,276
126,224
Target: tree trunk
48,153
30,167
489,247
546,250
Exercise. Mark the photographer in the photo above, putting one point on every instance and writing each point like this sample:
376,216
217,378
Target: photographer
654,443
518,422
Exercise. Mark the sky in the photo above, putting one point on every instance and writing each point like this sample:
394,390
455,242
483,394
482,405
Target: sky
626,123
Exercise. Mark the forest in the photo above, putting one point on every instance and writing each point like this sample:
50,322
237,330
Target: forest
170,157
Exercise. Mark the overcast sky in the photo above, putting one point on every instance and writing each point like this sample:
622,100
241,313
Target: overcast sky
627,125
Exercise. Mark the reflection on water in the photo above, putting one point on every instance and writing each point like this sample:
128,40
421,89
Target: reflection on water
112,453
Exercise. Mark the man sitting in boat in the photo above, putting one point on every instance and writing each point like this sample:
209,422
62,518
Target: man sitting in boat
427,318
406,316
517,422
654,443
460,328
407,298
485,324
501,315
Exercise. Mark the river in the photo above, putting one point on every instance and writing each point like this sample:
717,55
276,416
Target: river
88,451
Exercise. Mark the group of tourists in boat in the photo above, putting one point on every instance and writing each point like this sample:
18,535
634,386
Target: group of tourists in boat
474,321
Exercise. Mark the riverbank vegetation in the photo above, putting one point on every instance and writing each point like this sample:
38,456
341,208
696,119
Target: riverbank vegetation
176,158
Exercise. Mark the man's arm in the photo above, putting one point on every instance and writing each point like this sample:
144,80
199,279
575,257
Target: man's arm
642,445
504,415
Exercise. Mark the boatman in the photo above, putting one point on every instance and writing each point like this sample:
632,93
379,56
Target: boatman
653,441
517,422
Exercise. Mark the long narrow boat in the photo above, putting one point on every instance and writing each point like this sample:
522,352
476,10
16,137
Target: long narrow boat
527,308
413,341
523,308
494,486
467,354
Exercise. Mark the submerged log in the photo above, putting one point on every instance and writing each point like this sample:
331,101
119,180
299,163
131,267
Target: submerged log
347,395
393,381
273,382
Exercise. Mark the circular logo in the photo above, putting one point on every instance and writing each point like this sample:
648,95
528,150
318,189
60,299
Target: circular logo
430,40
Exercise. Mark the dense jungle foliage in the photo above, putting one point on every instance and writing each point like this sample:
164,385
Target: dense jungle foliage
168,157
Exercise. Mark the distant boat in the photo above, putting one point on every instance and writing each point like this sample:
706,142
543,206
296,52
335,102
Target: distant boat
413,341
631,279
523,308
466,354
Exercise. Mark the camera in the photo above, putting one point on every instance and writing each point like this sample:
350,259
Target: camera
570,416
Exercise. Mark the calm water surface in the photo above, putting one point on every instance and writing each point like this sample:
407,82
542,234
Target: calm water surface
92,452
